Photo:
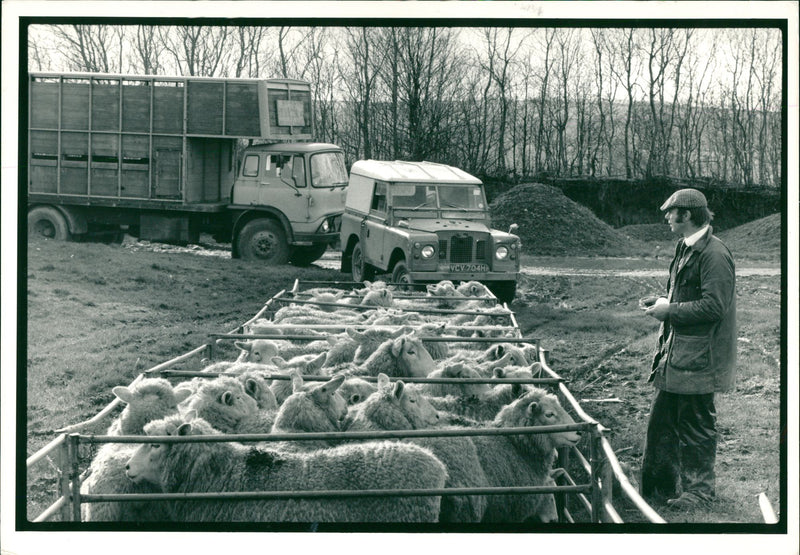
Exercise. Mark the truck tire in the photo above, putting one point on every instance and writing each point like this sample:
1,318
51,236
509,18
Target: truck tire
303,256
359,268
504,290
46,221
400,273
263,240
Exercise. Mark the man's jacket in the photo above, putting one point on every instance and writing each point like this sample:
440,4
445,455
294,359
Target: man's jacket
696,350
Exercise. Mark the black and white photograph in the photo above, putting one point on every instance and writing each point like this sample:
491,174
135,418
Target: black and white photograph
450,274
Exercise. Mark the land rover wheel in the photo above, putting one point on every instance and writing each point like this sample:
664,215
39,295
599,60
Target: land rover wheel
504,290
46,221
264,240
400,273
303,256
360,269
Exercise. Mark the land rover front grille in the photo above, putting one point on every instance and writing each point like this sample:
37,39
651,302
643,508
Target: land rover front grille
461,249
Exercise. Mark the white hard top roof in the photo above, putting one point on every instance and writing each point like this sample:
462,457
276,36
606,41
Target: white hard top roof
422,172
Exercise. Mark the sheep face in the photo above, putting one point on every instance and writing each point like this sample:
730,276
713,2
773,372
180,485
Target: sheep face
539,408
256,387
457,370
472,289
257,350
327,395
412,357
224,403
379,297
415,406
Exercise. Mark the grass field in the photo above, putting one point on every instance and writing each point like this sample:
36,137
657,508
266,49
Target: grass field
99,314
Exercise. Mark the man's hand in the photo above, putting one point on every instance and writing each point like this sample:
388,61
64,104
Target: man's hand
659,311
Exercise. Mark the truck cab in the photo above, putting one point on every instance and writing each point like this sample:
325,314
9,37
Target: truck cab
424,222
308,181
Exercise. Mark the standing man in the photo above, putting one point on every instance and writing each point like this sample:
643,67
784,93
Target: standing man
695,357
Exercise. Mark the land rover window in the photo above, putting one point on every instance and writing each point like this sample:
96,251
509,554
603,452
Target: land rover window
379,198
413,196
250,166
459,196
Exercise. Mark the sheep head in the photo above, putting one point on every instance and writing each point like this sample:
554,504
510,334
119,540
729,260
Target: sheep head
256,350
413,359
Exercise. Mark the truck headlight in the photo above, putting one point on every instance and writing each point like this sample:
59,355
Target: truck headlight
326,226
501,253
428,251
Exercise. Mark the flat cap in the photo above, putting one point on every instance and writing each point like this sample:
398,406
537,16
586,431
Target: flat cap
685,198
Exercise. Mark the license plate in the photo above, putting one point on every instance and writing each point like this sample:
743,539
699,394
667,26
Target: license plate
469,267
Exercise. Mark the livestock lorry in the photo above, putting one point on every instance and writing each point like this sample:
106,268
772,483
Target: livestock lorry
167,158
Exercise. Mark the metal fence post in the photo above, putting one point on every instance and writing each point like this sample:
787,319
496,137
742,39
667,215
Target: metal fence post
607,479
64,467
595,462
74,477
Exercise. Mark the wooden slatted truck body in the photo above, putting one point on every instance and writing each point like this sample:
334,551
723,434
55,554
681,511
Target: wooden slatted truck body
163,157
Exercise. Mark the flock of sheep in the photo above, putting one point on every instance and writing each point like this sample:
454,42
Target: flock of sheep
351,381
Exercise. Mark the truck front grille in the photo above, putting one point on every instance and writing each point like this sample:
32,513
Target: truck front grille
480,250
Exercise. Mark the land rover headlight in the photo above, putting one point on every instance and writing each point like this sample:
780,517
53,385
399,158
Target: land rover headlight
501,253
428,251
326,226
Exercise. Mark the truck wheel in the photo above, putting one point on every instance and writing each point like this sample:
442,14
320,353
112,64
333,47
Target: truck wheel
504,290
263,240
303,256
46,221
360,269
400,273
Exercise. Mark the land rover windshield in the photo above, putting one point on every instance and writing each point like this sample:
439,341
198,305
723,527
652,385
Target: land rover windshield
455,201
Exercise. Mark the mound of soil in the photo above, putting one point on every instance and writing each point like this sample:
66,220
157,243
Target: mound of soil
762,235
552,224
648,232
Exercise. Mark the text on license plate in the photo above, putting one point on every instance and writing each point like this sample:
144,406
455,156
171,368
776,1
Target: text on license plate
469,267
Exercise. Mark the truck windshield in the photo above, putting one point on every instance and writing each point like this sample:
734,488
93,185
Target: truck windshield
328,170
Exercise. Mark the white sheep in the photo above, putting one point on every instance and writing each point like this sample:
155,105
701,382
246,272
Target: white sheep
400,407
399,357
224,403
149,399
454,371
187,467
354,390
524,459
312,407
256,350
305,365
473,289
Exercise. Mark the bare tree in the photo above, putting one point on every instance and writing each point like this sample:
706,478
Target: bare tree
248,43
197,50
86,47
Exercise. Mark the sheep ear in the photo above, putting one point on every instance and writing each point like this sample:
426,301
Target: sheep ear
278,361
297,382
533,408
251,387
227,398
181,394
383,381
335,382
353,399
399,389
498,373
184,429
536,367
190,415
317,363
244,345
123,393
354,333
332,339
397,346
